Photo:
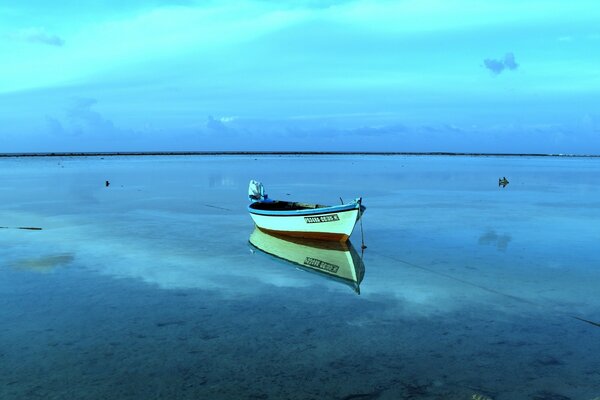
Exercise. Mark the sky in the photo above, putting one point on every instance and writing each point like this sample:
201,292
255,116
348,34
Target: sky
491,76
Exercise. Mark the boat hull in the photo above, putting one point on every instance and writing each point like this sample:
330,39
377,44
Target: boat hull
329,223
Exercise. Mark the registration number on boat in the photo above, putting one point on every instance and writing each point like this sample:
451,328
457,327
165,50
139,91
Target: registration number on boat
315,263
322,218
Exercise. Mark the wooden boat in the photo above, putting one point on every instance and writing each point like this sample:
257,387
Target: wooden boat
312,221
334,260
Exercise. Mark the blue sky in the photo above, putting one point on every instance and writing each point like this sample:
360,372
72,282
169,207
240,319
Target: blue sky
362,75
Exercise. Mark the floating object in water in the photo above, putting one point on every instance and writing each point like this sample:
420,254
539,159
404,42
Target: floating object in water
312,221
107,183
29,228
503,181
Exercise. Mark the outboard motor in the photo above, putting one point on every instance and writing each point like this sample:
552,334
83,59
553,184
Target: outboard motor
256,191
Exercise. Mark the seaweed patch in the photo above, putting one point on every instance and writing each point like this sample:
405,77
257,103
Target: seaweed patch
45,264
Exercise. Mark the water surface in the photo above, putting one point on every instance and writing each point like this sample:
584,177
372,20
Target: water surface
149,288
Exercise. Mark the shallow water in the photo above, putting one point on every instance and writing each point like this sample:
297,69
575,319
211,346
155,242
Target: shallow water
149,288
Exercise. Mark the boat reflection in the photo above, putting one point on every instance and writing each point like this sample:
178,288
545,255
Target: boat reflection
334,260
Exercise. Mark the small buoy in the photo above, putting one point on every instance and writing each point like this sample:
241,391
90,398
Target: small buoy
107,183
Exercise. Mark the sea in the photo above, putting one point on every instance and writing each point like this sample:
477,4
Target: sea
149,287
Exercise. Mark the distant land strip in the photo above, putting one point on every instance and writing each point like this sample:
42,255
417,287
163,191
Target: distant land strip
283,153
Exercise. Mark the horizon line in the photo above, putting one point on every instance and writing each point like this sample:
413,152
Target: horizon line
235,153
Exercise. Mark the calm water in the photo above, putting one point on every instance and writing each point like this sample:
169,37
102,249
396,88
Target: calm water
149,289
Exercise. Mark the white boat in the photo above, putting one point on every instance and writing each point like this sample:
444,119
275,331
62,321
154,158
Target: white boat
333,260
312,221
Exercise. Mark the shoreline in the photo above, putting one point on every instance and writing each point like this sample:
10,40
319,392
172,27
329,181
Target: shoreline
285,153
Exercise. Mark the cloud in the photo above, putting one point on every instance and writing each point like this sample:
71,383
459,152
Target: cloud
80,119
88,120
497,66
378,130
38,35
228,119
54,126
216,125
509,61
565,38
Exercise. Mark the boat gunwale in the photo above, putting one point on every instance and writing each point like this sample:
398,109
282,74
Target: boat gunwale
303,211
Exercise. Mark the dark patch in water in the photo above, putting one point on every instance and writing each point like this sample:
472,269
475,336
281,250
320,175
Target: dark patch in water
548,361
208,336
545,395
169,323
362,396
415,389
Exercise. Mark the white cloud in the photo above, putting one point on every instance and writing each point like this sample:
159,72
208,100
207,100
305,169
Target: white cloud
227,119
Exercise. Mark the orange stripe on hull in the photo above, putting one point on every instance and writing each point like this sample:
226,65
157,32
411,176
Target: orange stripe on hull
334,237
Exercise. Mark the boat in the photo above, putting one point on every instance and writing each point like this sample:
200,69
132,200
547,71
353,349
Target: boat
333,260
311,221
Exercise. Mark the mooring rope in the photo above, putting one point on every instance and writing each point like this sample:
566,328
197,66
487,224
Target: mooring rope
362,235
